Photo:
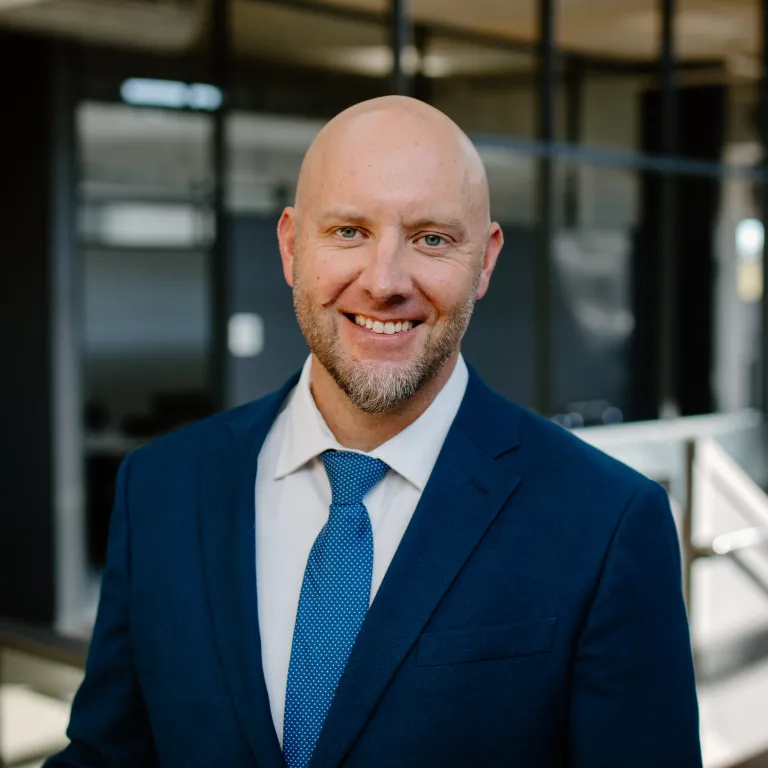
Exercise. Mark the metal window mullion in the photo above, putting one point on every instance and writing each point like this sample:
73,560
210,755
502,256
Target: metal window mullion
667,342
402,36
221,70
542,329
574,98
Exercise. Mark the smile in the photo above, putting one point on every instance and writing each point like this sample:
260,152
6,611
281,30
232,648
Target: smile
388,327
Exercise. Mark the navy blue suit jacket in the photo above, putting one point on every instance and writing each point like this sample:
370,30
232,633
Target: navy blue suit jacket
531,617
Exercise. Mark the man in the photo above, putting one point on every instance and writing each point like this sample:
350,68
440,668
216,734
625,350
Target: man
385,563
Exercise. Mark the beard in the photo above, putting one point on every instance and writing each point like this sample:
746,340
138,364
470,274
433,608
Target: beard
378,387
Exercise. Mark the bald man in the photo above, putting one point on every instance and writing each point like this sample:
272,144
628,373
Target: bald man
385,563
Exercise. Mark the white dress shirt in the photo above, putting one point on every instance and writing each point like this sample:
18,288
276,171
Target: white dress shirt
292,500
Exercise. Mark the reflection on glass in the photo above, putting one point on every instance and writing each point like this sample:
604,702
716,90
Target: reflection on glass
738,288
593,313
145,233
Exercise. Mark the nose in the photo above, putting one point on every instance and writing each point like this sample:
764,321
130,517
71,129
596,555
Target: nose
386,273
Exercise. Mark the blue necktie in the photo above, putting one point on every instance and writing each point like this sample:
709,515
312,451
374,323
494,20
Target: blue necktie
333,603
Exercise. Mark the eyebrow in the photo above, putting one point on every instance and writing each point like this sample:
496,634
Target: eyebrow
354,216
431,223
350,215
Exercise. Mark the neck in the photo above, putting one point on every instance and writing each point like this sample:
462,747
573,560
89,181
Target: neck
363,431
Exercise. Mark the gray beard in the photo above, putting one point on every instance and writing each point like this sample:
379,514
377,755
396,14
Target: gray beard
380,387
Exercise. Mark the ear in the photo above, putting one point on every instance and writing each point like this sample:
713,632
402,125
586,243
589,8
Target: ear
493,247
286,238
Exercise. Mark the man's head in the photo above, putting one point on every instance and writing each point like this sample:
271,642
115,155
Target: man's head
388,246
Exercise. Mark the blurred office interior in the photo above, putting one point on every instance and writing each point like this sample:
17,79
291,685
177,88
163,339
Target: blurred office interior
148,147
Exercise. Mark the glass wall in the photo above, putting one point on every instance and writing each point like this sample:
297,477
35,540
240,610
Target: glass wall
486,90
145,233
625,217
296,66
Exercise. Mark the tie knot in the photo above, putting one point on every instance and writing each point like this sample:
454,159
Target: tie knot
352,475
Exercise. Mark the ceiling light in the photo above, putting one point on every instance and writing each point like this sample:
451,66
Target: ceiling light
171,94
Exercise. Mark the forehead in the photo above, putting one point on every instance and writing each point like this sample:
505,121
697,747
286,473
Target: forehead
382,170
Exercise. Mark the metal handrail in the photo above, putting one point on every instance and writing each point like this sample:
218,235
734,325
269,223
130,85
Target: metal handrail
743,508
734,542
730,545
756,761
43,643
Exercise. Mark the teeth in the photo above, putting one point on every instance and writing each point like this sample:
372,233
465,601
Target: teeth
377,326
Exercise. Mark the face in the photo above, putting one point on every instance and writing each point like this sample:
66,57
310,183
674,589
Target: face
386,254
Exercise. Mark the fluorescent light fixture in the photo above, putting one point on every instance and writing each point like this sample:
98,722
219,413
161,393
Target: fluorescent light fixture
204,96
171,94
146,225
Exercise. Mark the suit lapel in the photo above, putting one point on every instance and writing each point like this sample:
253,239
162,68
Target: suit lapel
465,493
226,517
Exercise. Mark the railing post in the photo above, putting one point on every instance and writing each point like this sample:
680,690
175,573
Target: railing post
763,118
2,762
688,547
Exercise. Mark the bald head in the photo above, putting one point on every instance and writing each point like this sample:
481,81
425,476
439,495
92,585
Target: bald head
395,133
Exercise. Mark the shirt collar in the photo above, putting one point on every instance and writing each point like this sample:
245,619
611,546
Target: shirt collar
411,453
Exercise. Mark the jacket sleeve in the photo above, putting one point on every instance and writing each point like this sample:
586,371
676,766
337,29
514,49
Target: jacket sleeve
108,725
634,695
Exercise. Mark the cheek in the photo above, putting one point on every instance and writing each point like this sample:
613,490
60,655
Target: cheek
325,276
446,286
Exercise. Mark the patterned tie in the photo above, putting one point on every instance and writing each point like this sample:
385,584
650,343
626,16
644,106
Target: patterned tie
333,603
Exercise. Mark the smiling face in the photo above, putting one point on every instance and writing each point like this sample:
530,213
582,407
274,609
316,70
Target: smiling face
388,247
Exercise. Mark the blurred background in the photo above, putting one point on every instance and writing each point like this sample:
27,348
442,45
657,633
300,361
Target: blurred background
147,148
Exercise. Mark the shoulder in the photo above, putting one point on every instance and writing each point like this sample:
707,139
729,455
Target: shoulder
553,449
583,491
560,469
569,485
579,503
186,446
539,449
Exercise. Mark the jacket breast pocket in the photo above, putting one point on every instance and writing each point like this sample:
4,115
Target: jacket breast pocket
459,646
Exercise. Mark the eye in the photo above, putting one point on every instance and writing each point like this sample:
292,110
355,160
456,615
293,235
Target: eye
433,241
347,233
